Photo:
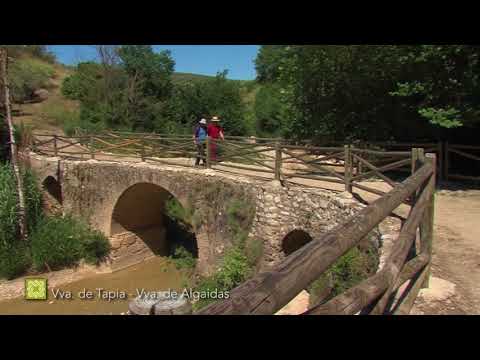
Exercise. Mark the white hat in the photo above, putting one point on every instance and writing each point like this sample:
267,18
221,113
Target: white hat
203,122
215,119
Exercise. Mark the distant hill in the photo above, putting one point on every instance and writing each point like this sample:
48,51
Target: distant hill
179,77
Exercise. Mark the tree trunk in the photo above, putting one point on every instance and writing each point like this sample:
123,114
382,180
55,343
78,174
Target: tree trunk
22,215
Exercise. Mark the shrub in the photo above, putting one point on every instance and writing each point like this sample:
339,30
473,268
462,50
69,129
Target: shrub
8,205
9,202
234,270
14,254
14,259
28,75
183,259
349,270
33,199
175,210
59,242
95,246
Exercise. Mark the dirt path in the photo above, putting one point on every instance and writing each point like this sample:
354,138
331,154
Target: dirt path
455,284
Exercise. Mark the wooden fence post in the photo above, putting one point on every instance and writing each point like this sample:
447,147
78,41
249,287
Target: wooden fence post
414,159
278,160
207,144
348,168
426,226
92,150
440,160
55,145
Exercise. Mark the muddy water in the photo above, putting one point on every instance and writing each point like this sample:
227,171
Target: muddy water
118,289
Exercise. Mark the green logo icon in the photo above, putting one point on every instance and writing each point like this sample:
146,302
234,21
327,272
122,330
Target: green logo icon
36,289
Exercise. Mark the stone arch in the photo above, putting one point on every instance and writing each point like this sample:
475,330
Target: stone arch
52,196
295,240
53,188
139,225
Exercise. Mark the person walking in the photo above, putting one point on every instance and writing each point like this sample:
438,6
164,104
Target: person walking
200,137
215,132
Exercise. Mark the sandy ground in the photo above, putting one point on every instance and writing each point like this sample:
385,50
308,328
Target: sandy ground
455,283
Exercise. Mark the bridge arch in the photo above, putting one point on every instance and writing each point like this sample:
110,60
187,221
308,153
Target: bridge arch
140,227
53,188
295,240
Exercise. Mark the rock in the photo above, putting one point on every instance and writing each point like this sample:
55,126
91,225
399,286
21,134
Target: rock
346,195
439,290
41,95
276,184
178,306
160,303
268,197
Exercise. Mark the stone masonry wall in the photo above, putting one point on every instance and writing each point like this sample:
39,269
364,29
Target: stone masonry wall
281,210
92,188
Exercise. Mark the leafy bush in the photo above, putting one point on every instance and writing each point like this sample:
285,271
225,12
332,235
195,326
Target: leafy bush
28,75
234,270
14,255
183,259
349,270
52,243
33,199
14,259
59,242
175,210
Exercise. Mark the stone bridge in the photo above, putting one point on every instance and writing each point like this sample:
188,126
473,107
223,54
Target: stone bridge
126,201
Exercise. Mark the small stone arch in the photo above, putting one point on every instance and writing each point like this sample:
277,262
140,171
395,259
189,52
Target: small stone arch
139,226
295,240
52,195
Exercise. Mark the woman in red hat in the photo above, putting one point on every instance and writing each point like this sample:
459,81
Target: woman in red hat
215,132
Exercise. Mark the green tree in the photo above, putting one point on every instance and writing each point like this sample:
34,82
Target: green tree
269,62
269,111
441,82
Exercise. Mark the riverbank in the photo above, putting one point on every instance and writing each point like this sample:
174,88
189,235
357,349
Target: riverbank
11,289
111,292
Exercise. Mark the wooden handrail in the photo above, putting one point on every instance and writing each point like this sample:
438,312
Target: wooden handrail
268,292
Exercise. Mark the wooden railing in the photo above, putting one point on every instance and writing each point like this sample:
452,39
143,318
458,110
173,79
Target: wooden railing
469,152
262,157
270,291
270,155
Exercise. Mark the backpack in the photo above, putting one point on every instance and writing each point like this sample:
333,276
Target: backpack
201,133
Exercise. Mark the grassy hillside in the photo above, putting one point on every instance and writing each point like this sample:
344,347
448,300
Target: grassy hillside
49,115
